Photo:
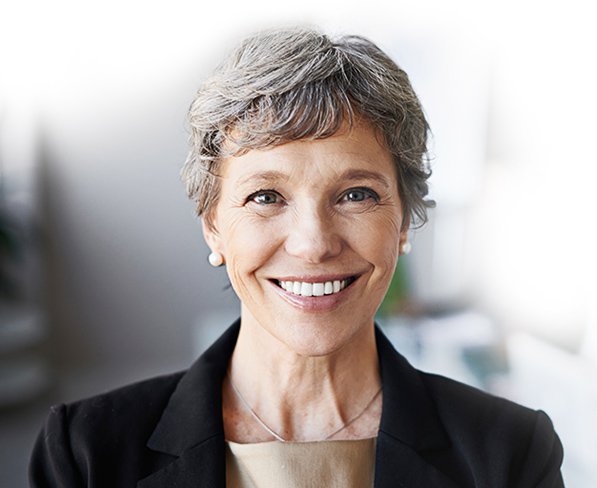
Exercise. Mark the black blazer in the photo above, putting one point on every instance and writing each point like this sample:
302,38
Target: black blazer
168,432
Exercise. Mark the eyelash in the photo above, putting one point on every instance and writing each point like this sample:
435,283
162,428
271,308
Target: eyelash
368,193
252,197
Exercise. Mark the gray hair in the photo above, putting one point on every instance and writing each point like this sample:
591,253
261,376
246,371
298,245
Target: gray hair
284,85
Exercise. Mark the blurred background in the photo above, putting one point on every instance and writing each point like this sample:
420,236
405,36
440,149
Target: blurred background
103,271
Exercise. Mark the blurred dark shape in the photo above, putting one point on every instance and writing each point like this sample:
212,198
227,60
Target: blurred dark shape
24,372
10,253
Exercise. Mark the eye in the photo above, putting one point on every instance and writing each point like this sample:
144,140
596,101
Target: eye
359,195
264,197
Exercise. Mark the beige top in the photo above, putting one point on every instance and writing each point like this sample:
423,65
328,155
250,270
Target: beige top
301,464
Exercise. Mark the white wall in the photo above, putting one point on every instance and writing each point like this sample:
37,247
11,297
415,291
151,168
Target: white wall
111,82
129,273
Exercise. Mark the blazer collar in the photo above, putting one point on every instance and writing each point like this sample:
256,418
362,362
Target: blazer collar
408,412
410,425
194,412
191,426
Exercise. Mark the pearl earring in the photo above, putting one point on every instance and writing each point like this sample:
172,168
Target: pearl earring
406,247
215,259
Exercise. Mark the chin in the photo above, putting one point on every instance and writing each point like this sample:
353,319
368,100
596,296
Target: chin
314,350
308,341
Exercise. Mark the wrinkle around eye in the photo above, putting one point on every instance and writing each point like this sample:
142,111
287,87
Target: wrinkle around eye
369,201
264,210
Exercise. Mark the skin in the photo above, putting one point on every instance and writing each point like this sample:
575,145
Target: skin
308,210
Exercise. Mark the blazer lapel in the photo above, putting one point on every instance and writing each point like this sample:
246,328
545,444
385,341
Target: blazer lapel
409,426
400,466
191,425
201,466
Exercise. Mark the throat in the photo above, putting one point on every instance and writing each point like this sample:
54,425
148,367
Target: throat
347,429
271,395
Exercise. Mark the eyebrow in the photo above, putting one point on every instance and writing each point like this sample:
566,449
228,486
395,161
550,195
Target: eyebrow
363,174
270,177
265,178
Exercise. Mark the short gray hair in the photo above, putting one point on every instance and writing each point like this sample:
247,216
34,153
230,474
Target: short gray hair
284,85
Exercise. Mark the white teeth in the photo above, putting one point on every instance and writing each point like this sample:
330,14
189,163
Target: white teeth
307,289
313,289
318,289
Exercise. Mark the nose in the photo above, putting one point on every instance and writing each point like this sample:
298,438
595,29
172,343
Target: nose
313,236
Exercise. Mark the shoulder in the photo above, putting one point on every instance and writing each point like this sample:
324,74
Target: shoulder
142,401
89,438
124,435
496,432
461,403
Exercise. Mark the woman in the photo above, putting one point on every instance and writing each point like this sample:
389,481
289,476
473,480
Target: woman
307,166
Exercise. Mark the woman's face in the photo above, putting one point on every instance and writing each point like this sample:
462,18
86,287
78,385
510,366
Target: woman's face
310,232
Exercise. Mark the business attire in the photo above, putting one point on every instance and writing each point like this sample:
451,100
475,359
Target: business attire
168,432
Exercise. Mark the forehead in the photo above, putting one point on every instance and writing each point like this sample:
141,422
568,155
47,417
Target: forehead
355,152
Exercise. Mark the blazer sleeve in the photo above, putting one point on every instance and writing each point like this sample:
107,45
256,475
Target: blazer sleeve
541,466
52,462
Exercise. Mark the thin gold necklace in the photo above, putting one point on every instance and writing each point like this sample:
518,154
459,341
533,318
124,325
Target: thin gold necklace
278,436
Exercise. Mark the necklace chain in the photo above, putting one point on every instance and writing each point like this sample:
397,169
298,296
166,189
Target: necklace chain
282,439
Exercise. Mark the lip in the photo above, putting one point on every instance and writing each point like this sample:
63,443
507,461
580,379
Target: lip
324,303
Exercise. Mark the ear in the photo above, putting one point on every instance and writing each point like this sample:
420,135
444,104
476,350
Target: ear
404,229
211,236
403,239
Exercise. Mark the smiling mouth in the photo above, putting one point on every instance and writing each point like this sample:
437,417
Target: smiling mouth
304,289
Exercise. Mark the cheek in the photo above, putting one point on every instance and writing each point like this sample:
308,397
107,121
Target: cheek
247,244
387,257
379,244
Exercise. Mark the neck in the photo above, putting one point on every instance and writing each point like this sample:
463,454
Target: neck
303,397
